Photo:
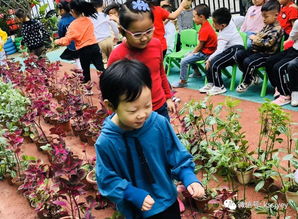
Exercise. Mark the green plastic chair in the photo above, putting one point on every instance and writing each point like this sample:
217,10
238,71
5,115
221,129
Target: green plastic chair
165,59
261,72
189,40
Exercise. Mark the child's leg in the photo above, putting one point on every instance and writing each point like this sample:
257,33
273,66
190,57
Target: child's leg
171,212
106,47
85,59
293,77
96,57
163,110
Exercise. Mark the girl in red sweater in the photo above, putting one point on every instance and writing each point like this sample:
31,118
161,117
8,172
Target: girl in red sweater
136,24
81,31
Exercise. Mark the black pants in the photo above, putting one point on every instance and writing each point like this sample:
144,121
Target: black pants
172,212
293,74
277,70
248,61
90,55
219,62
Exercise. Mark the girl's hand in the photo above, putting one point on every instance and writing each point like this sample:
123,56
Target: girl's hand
148,203
171,106
196,190
56,42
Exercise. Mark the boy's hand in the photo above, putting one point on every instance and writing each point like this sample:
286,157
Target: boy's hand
196,190
252,37
171,106
148,203
207,65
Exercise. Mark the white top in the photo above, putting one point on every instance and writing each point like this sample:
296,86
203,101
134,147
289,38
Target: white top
170,34
226,38
102,27
294,34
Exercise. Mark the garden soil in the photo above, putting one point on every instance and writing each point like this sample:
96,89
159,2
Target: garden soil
13,205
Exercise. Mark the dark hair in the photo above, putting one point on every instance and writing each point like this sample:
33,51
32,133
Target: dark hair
82,7
169,8
203,9
124,77
20,13
154,2
222,16
64,5
115,6
271,5
128,14
97,3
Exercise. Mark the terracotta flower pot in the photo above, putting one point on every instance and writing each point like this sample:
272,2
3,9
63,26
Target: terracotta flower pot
292,196
64,124
90,179
244,177
203,206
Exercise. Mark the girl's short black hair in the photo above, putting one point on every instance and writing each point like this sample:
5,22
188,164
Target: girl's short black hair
83,7
64,5
222,16
128,13
203,9
271,5
124,78
114,5
20,13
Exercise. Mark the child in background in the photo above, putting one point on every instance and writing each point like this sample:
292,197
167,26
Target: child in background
70,53
33,32
3,39
132,171
170,30
283,81
113,11
293,78
253,22
287,15
160,15
229,42
81,31
264,44
102,27
136,24
184,21
207,43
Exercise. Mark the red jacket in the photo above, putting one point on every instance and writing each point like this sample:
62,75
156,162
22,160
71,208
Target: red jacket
152,57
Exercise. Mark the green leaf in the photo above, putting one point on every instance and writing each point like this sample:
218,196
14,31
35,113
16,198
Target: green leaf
260,185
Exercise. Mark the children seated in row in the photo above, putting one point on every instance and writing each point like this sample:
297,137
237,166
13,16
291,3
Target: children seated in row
3,39
228,43
283,80
207,43
253,21
102,27
264,44
138,153
33,32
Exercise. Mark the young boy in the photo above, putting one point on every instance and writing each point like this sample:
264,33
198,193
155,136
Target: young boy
264,44
138,153
33,32
3,38
102,30
208,42
228,43
287,15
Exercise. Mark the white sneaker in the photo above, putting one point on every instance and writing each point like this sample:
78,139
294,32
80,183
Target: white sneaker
243,87
206,88
294,98
216,90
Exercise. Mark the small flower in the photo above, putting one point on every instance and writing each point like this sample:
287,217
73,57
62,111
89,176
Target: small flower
230,204
296,176
140,5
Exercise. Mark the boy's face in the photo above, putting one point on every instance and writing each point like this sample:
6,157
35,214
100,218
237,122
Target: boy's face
269,17
132,115
258,2
218,26
198,19
113,12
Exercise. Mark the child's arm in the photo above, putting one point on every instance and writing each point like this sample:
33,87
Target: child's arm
221,45
71,35
266,40
199,47
181,163
112,185
175,14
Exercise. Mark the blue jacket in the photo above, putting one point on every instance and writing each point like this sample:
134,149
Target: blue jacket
62,28
132,164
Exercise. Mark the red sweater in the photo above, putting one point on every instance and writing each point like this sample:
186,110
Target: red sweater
151,56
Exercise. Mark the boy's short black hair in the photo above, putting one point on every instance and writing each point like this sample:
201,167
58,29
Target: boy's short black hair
124,78
97,3
222,16
168,8
21,13
271,5
203,9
